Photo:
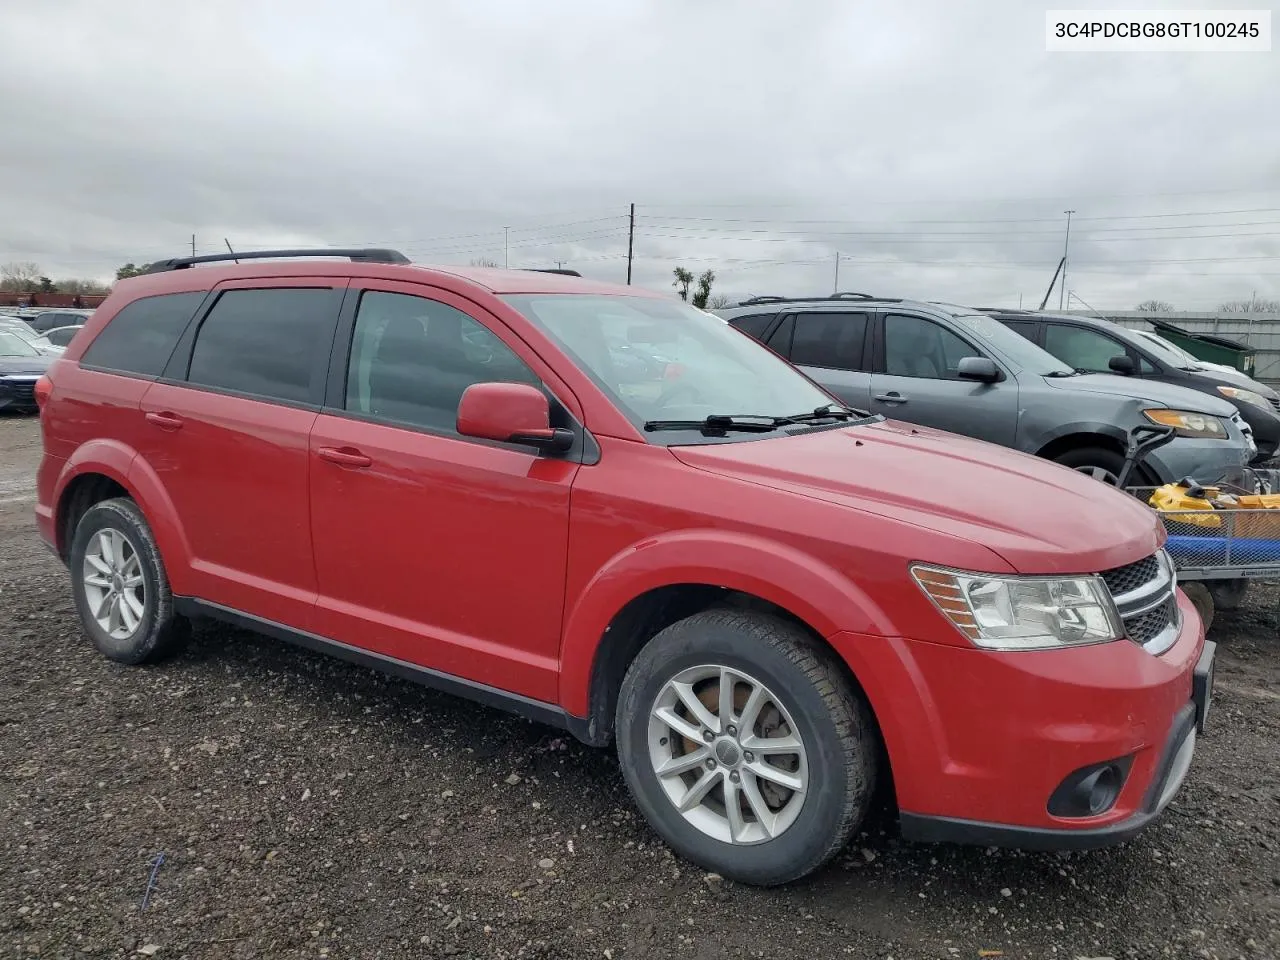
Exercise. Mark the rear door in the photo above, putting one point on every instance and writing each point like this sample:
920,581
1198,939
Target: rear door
226,431
916,380
831,347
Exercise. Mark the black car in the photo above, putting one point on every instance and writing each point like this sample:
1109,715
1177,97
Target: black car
1094,345
20,367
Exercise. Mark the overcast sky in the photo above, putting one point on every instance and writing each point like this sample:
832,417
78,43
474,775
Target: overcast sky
934,145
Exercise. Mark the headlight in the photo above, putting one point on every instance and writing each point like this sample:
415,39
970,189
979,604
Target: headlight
1188,424
1244,396
1023,613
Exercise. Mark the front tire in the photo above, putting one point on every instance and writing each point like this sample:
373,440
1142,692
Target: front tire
121,590
745,746
1096,462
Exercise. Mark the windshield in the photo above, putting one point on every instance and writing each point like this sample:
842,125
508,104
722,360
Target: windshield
1013,346
12,345
18,329
661,360
1166,352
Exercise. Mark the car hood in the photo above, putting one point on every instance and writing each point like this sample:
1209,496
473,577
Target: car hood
1232,378
1137,388
19,365
1037,516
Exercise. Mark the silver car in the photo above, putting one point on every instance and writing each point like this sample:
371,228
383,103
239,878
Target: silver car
955,369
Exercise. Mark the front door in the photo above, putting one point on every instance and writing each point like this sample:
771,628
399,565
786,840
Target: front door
433,548
917,381
829,346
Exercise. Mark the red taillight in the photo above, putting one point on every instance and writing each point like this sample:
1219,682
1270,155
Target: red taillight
44,390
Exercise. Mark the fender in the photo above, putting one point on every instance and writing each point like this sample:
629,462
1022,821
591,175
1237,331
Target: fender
820,595
123,465
1090,427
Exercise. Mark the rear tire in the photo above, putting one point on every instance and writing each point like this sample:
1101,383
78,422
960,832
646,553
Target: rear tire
1097,462
794,705
120,587
1227,594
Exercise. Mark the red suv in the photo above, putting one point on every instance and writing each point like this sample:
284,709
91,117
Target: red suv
609,511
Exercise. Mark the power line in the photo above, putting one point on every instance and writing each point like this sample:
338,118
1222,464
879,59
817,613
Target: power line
1134,216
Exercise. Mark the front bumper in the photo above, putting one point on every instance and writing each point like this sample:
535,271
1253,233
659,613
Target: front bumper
18,393
979,742
1203,460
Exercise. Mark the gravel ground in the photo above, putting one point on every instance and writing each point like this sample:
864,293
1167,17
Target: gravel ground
305,808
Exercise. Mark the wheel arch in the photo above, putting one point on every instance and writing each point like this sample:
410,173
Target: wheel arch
103,469
645,589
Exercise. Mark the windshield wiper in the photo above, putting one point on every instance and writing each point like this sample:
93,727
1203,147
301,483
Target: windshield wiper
829,411
747,423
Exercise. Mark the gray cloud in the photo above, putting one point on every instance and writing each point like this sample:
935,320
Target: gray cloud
933,144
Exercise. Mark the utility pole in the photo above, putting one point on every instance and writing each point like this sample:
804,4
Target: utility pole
835,287
1062,290
505,260
559,264
193,244
631,242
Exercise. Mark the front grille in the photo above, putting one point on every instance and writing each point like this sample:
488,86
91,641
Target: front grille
1130,577
21,392
1275,402
1147,626
1145,593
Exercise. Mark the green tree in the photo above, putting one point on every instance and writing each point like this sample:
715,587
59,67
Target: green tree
703,293
129,270
683,280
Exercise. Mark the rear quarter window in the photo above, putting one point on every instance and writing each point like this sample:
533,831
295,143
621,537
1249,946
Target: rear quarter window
753,325
139,339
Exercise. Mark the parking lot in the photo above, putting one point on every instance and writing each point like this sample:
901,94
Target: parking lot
307,808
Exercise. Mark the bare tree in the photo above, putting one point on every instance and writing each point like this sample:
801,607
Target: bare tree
683,279
484,262
88,288
1155,306
703,293
20,277
1252,305
718,302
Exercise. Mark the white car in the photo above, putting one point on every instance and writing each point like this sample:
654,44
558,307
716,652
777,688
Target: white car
10,324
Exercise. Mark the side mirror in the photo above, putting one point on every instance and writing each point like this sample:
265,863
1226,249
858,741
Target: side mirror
1122,365
981,369
510,413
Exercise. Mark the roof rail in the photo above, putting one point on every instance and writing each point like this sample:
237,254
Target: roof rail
560,270
843,295
354,254
1017,310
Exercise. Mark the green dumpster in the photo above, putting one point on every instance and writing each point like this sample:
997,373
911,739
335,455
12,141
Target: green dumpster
1211,349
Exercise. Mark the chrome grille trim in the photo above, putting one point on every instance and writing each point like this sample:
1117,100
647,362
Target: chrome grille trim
1150,610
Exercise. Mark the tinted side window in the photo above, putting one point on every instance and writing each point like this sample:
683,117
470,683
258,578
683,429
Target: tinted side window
263,342
829,340
1026,328
140,338
754,325
412,358
1081,348
916,347
780,340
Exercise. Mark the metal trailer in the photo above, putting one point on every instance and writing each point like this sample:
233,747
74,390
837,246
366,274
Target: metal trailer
1217,552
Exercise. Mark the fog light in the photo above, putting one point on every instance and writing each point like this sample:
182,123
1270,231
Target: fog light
1090,791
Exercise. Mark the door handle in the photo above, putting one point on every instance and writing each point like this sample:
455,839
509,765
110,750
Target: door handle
344,456
892,397
165,421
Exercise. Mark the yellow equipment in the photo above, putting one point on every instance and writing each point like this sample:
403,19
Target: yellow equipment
1202,506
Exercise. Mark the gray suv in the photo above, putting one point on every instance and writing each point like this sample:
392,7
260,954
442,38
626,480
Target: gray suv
957,369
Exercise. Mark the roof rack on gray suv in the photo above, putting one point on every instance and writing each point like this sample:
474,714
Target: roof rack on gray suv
842,295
